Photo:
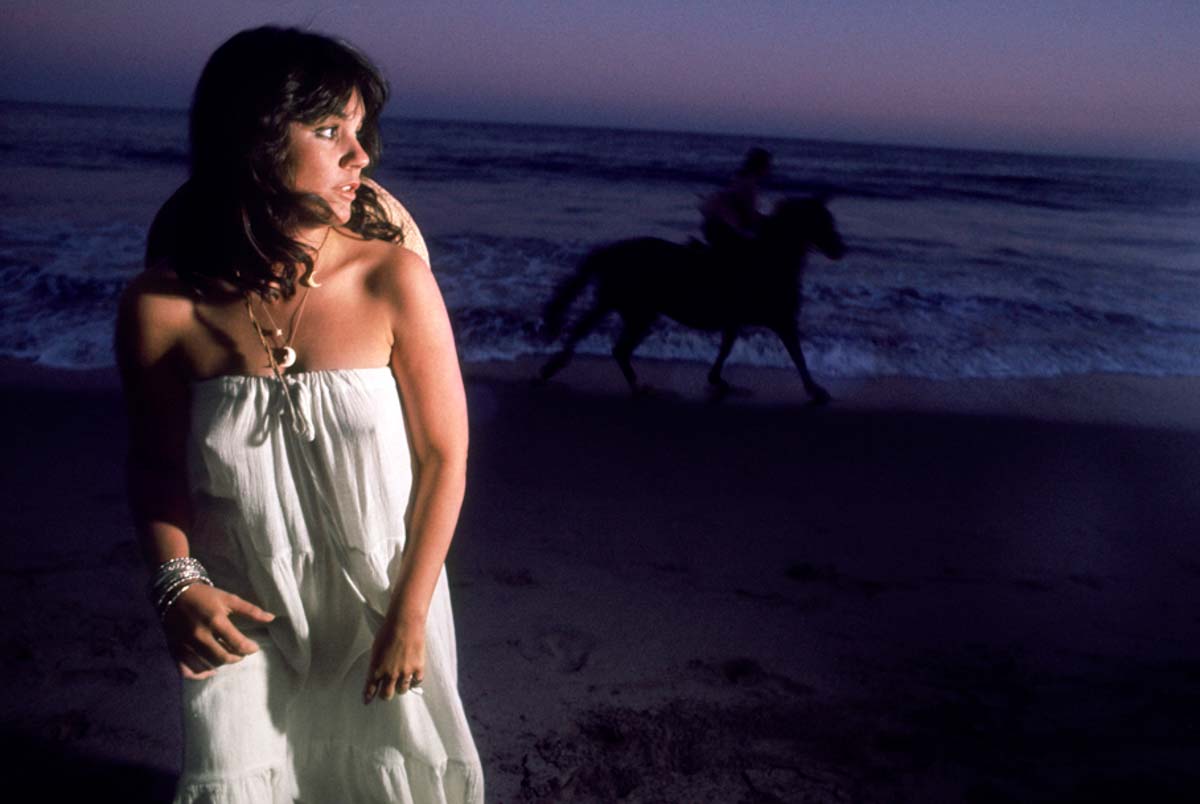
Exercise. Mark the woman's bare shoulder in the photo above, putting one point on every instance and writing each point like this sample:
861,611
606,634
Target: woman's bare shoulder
160,293
406,291
156,310
396,272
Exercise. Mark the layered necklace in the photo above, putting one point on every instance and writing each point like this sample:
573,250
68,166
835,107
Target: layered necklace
281,354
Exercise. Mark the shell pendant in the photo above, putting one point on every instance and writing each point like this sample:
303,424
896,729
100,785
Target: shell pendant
285,356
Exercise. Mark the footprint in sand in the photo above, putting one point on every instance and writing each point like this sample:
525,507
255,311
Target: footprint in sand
745,672
566,649
518,578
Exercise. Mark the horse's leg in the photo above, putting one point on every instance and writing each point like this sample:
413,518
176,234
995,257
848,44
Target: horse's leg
577,333
728,336
791,342
632,334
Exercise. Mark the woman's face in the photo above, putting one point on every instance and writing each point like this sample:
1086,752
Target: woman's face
327,160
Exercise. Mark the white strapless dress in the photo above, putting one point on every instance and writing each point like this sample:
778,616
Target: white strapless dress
313,531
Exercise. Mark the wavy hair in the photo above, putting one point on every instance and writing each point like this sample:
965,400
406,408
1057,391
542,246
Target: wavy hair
231,221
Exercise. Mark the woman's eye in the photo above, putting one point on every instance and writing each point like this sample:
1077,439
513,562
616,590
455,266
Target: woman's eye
326,132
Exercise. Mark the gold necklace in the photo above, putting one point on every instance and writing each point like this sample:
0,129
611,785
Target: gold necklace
283,356
308,279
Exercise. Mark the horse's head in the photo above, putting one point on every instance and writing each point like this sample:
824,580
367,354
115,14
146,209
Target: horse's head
806,223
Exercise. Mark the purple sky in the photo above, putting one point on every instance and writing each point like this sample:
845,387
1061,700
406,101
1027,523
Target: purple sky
1092,77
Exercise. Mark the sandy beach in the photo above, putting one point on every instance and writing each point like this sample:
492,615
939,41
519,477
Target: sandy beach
979,590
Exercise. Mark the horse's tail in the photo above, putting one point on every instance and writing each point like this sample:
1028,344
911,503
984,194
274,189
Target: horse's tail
555,313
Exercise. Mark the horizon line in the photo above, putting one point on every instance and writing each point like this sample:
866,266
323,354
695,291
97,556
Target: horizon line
633,128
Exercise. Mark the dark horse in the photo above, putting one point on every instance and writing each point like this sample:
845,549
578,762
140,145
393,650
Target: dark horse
646,277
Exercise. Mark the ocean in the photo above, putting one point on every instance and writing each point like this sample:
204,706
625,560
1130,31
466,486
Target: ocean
960,263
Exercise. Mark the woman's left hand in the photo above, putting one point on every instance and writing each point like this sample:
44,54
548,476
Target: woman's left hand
397,658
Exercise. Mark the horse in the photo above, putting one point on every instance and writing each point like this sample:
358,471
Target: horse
725,290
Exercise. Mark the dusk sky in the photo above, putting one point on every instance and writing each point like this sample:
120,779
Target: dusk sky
1102,77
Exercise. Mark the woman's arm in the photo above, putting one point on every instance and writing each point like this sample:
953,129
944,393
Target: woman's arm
425,364
199,632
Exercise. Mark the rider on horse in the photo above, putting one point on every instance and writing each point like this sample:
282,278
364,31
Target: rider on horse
731,216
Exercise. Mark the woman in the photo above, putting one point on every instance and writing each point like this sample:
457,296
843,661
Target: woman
298,445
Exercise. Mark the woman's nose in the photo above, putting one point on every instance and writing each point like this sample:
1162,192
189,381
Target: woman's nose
356,156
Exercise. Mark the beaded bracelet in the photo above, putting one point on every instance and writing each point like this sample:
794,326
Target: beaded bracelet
170,570
170,580
175,586
162,611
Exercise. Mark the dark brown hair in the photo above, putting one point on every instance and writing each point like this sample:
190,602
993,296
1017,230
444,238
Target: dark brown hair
231,221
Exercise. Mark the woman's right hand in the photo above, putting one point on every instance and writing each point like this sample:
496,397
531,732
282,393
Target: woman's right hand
200,635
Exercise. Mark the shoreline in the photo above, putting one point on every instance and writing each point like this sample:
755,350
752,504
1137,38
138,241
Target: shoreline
1157,402
1136,400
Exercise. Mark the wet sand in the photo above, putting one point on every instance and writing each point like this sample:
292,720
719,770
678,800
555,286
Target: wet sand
966,591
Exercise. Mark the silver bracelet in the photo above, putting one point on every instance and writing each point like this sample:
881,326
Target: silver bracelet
171,578
170,601
169,571
176,585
